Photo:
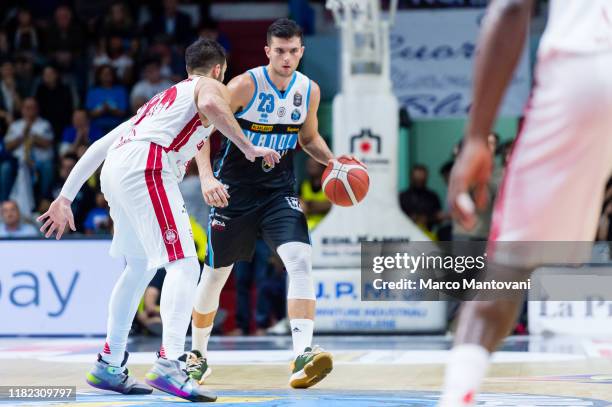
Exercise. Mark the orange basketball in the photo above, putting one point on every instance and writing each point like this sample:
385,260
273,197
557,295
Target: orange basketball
345,182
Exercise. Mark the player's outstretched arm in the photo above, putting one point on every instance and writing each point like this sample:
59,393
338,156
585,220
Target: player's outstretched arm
309,137
214,103
500,44
214,192
60,213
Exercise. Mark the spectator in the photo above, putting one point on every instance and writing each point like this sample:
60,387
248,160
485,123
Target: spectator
25,36
79,136
171,23
11,225
420,203
65,38
4,45
116,57
172,64
25,75
106,102
480,231
30,141
54,99
445,219
315,203
151,84
98,221
210,29
10,101
85,199
118,22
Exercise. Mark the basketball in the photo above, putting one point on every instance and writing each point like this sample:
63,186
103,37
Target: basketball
345,182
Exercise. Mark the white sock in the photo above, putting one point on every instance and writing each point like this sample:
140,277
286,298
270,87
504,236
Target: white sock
200,337
465,371
122,308
301,333
176,303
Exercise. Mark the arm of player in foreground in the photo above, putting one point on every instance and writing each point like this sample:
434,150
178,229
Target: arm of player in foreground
60,213
501,42
214,103
213,191
309,137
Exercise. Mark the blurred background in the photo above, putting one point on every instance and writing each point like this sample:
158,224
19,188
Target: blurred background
70,71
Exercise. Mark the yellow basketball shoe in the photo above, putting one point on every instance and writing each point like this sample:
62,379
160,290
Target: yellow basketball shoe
310,368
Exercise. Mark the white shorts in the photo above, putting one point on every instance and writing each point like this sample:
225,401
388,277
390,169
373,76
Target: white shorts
147,208
554,183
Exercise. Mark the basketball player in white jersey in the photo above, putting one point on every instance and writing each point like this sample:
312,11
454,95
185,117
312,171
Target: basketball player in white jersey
145,159
554,183
276,107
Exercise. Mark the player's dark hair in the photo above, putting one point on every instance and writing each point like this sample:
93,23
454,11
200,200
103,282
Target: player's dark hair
285,28
204,54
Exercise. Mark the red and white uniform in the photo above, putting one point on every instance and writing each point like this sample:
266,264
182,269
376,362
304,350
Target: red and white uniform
554,183
140,177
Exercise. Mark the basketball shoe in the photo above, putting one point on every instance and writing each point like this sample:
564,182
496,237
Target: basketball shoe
310,368
107,377
196,366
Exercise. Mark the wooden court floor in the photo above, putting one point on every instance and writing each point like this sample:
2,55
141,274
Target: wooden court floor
400,371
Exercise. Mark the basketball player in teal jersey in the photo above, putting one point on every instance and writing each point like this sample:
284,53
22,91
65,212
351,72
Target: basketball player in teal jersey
276,106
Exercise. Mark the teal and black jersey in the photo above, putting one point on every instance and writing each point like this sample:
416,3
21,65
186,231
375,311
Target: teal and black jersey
271,119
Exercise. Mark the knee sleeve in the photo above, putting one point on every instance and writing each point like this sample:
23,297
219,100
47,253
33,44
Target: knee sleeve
297,258
209,289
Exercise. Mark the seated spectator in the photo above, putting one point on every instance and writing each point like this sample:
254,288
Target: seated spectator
172,63
54,100
30,141
98,221
106,102
25,36
315,203
117,57
79,136
10,101
420,203
151,84
148,312
85,199
11,225
171,23
65,38
118,22
25,75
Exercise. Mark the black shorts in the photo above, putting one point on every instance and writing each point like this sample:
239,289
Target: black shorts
233,230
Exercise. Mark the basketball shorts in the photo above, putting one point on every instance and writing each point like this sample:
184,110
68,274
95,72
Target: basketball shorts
554,184
276,217
148,211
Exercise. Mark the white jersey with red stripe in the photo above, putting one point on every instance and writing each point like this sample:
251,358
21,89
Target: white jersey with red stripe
578,26
170,119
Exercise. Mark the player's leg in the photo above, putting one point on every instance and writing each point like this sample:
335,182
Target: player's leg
284,226
110,371
229,239
155,207
552,191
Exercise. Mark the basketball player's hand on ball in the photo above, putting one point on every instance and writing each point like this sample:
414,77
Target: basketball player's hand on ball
270,156
56,218
214,192
471,173
348,157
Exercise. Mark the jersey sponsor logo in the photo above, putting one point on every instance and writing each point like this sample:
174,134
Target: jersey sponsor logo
293,129
170,236
266,128
276,141
295,115
297,99
217,225
294,203
281,111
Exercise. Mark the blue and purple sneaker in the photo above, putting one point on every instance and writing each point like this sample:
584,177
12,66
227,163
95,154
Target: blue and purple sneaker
115,378
166,375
